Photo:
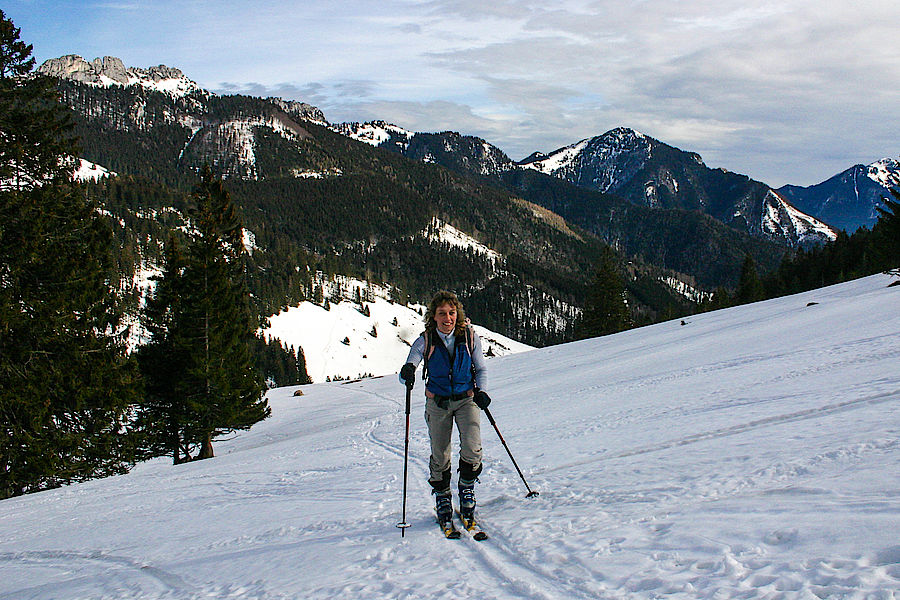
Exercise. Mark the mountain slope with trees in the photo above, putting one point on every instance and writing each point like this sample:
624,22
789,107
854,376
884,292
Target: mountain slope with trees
315,200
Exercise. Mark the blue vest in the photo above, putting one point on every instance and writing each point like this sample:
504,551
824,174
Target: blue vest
448,376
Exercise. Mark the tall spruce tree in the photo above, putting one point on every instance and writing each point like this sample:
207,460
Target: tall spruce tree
163,417
201,319
888,233
605,310
750,287
65,382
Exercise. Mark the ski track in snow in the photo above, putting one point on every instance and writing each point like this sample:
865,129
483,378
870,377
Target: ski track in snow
754,453
507,567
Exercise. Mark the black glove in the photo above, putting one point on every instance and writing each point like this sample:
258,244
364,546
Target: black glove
408,374
482,399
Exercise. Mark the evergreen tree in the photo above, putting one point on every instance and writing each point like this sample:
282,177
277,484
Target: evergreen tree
605,310
202,318
750,287
164,417
36,140
280,365
888,232
65,383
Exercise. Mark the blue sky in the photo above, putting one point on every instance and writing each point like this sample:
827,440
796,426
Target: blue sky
792,91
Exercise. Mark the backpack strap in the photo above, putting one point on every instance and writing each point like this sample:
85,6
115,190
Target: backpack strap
470,343
426,354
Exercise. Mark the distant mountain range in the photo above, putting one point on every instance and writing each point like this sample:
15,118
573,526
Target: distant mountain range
848,200
316,199
650,173
622,161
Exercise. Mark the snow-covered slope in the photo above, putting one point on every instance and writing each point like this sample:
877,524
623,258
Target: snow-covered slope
374,133
362,333
782,220
753,452
88,171
885,172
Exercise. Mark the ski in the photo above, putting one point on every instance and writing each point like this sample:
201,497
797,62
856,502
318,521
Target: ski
471,525
449,530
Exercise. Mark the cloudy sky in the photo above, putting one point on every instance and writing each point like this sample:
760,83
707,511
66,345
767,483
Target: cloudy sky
792,91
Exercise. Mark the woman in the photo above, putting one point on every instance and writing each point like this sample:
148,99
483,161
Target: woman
455,379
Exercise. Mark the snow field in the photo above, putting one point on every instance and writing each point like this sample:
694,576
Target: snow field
751,453
338,342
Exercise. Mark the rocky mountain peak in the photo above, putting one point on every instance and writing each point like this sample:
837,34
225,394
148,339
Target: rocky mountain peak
300,110
109,70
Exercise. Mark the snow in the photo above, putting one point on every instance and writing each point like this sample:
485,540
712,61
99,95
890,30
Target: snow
88,171
176,87
780,216
143,280
444,232
685,289
752,453
307,174
83,171
322,333
248,239
885,172
559,160
373,133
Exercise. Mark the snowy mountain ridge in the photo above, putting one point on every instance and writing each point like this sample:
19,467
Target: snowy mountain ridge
780,219
612,159
747,453
623,162
607,162
651,173
374,133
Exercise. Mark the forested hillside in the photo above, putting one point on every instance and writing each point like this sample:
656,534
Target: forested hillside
315,200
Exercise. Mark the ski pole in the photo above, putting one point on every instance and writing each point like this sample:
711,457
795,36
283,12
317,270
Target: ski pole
403,524
490,417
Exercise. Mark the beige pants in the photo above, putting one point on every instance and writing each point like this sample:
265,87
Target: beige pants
467,416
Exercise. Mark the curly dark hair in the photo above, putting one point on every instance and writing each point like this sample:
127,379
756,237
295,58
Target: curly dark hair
441,298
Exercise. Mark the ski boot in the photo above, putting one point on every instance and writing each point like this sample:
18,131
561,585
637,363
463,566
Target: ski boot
467,499
444,509
443,506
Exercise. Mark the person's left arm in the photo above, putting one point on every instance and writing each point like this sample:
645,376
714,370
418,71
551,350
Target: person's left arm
480,363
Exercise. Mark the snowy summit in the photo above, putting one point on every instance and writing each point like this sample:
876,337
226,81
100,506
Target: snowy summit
752,452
